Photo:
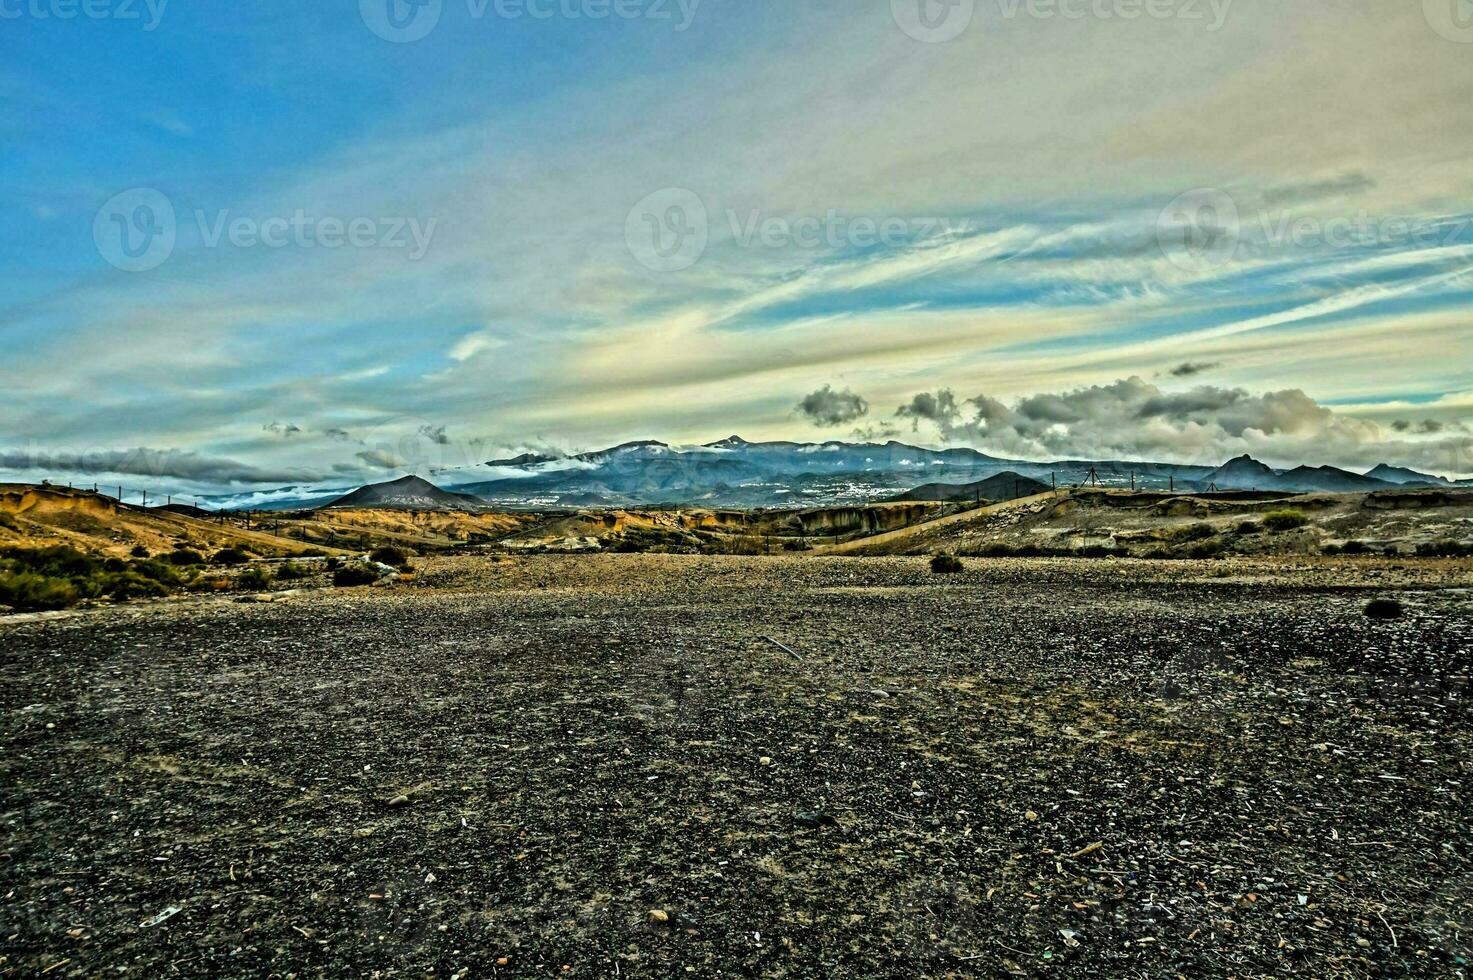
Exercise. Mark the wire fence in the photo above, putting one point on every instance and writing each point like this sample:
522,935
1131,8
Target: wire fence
140,496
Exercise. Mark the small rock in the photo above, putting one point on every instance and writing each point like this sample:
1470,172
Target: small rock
815,818
659,917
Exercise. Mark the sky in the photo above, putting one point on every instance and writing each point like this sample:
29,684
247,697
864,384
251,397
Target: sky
328,243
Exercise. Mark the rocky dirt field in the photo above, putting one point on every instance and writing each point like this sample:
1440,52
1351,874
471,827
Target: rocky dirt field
660,766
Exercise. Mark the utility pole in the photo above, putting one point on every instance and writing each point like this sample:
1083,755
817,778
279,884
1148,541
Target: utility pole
1132,483
145,497
1172,478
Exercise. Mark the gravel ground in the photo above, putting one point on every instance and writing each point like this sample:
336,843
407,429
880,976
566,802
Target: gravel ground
603,766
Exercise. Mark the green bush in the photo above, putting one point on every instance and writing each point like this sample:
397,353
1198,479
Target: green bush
1444,549
944,564
355,574
230,556
154,569
390,555
183,556
1285,520
1206,549
1250,527
8,522
58,561
57,577
139,551
256,577
30,592
291,572
128,585
1195,532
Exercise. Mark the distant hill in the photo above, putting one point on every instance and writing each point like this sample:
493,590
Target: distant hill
1404,476
525,459
409,493
1243,473
1328,479
1247,473
1004,486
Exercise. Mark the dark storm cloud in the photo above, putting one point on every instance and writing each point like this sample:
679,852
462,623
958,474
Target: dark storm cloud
1345,185
435,434
159,463
1193,368
1134,419
827,408
940,407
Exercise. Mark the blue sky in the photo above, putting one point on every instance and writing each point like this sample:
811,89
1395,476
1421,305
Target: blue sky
568,223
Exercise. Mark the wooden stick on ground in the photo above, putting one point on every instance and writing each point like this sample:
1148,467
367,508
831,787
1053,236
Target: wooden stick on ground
785,649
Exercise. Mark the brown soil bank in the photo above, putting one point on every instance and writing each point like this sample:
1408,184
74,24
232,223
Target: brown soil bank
1060,768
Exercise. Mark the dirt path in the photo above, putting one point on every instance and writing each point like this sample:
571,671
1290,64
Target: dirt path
1034,768
888,537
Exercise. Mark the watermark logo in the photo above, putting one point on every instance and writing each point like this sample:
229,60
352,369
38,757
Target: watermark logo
1448,924
938,923
406,21
306,231
401,21
1212,13
672,695
1200,229
836,230
668,231
1451,19
1201,689
1204,229
934,21
405,918
148,12
136,230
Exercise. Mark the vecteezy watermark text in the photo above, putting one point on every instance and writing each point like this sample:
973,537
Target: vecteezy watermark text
405,21
149,12
938,21
302,230
669,230
1205,228
836,230
138,230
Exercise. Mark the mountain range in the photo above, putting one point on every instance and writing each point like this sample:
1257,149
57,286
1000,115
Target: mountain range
1247,473
740,474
